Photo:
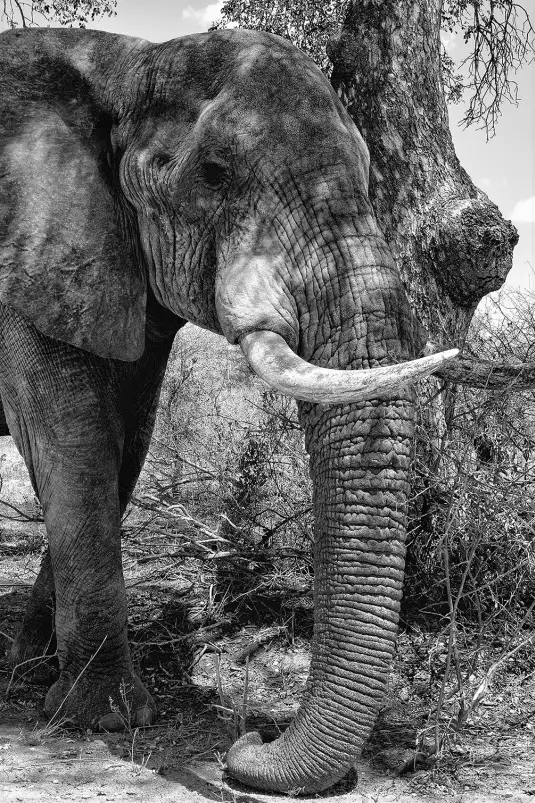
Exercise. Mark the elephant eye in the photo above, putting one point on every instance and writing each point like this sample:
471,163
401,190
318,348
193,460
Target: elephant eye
214,174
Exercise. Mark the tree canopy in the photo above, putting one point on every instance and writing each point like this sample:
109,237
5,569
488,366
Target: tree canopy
498,34
18,13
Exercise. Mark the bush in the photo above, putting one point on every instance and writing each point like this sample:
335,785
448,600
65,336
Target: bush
472,516
228,469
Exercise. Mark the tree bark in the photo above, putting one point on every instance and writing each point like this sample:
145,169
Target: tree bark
449,240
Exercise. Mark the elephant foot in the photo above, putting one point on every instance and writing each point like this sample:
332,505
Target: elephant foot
101,703
32,657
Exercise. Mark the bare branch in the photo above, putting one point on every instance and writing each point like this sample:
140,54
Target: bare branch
66,12
502,40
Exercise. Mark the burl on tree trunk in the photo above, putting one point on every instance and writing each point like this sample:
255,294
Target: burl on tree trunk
449,240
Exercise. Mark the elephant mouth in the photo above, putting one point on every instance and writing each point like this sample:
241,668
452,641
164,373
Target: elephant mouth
272,359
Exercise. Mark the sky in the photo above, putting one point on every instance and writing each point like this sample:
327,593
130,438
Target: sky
503,167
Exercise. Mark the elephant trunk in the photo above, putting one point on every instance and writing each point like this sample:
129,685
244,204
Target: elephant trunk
349,325
359,464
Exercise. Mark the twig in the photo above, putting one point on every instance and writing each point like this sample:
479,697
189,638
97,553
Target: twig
243,655
481,691
38,660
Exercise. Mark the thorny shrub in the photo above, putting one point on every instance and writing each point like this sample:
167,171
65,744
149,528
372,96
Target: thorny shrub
474,486
233,453
227,466
470,574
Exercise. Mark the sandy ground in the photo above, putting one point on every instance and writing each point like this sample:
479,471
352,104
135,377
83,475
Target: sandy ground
66,769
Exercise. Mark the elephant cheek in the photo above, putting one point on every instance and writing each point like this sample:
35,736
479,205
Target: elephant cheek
251,295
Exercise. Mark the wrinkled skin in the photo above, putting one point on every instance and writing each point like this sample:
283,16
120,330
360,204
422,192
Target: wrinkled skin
214,179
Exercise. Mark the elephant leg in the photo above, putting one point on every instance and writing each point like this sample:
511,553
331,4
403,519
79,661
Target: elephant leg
145,385
4,429
67,407
96,679
36,639
34,645
139,414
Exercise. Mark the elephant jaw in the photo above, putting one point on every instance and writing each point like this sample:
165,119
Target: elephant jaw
272,360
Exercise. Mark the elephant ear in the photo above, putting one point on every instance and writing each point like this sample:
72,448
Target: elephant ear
65,263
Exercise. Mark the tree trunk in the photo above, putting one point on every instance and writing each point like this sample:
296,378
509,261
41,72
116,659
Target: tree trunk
449,240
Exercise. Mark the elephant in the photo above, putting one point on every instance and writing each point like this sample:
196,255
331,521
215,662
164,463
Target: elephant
217,179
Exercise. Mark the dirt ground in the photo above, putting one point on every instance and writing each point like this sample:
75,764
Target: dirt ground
198,680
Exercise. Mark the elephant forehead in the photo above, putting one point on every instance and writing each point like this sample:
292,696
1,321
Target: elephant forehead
256,119
280,74
249,94
285,91
247,77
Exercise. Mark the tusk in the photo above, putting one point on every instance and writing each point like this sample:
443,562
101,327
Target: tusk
272,359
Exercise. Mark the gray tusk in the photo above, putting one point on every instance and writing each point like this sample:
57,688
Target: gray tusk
272,360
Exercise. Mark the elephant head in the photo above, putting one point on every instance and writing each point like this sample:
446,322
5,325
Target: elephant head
220,174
